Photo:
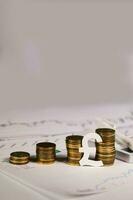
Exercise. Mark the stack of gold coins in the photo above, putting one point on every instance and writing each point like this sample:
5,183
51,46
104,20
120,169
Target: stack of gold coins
19,158
105,150
45,152
73,143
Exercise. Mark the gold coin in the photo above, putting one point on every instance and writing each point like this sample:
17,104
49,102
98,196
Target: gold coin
107,161
73,150
45,162
74,158
20,155
45,153
106,153
109,137
73,146
74,154
108,140
105,149
102,144
45,157
108,156
45,150
16,162
106,131
106,135
105,156
74,139
45,145
74,163
19,160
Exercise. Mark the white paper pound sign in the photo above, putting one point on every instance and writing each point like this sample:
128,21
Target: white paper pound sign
85,161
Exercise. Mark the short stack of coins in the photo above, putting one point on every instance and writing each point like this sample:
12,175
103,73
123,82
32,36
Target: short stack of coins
45,152
19,158
73,143
105,150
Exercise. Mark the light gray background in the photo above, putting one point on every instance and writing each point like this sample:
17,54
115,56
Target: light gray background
62,52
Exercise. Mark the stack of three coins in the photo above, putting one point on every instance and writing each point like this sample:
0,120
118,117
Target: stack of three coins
19,158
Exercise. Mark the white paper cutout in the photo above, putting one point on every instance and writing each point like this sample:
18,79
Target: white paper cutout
85,161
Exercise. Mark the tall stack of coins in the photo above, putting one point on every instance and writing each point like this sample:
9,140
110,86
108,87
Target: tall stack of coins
105,150
73,143
45,152
19,158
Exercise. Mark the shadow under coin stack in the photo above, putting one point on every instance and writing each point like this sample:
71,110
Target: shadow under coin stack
45,152
73,143
19,158
105,150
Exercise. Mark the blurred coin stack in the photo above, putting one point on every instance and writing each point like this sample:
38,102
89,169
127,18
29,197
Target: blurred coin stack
45,152
73,143
105,150
19,158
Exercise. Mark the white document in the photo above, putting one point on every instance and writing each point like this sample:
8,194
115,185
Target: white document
59,180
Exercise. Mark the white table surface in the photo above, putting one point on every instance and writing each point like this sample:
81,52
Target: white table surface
10,189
